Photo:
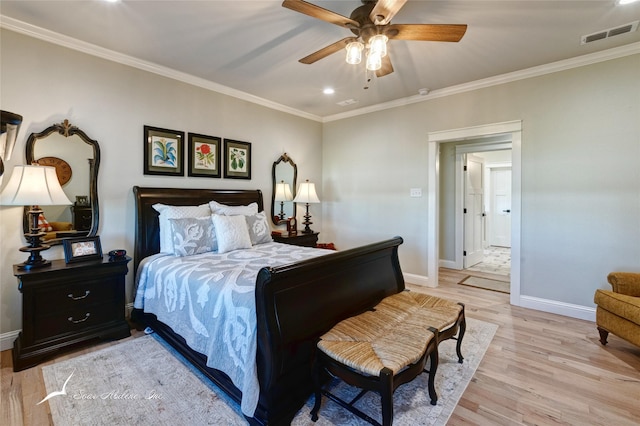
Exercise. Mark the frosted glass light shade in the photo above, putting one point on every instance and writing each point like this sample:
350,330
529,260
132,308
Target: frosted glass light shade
378,45
374,62
33,186
354,52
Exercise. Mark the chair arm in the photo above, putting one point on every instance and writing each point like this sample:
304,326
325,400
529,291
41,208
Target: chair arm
625,283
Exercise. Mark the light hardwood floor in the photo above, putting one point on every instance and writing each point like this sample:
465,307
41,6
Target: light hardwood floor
540,369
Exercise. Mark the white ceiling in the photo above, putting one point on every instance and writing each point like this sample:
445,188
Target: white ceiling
254,46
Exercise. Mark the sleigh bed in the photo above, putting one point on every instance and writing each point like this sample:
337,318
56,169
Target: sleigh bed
295,303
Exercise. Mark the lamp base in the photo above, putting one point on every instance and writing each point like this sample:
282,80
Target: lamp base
35,260
307,222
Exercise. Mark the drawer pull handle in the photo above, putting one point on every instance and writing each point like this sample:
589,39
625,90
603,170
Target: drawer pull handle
86,317
72,297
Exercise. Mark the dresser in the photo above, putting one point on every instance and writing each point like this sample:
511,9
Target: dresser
82,216
300,239
67,304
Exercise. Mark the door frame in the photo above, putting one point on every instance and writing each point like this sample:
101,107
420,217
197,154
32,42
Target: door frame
514,128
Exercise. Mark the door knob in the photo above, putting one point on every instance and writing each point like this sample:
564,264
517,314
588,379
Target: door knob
506,211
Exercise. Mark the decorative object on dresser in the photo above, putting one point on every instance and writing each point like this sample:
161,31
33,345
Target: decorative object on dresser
292,226
33,186
68,145
9,127
300,239
237,159
67,304
283,193
163,151
82,249
307,194
284,171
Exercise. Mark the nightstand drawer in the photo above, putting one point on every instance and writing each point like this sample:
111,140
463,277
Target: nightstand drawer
73,296
76,320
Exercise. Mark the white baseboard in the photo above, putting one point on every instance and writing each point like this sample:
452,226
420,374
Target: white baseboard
6,340
449,264
561,308
418,280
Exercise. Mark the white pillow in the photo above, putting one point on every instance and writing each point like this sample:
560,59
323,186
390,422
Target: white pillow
223,209
193,235
231,233
259,230
176,212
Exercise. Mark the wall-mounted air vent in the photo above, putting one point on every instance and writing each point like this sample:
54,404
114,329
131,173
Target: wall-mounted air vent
611,32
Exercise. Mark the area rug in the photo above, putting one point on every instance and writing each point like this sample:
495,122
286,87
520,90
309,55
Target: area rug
143,381
487,284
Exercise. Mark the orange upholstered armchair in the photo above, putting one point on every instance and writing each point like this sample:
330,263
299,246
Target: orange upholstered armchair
618,311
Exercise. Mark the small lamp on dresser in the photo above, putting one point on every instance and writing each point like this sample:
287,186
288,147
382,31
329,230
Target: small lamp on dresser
283,193
34,186
307,194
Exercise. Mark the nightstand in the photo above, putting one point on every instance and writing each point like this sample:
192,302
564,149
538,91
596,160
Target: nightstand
66,304
300,239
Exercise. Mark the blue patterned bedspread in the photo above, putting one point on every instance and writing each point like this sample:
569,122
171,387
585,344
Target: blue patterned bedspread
209,300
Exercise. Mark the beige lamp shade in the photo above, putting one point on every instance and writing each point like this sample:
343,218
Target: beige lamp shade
307,193
283,192
33,186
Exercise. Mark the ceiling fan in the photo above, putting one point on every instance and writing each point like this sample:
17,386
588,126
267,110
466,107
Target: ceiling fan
372,28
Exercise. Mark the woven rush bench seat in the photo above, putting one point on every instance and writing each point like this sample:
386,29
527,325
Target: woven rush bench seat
378,350
447,316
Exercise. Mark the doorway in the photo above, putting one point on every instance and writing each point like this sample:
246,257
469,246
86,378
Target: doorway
435,139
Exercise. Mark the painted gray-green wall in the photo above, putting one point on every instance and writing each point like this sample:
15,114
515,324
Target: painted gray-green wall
580,174
46,84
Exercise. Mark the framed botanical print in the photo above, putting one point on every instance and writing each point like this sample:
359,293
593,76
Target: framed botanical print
237,159
204,155
163,152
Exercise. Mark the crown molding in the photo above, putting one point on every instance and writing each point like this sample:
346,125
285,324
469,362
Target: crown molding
110,55
91,49
553,67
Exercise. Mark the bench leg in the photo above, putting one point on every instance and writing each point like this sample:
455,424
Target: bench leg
463,328
317,386
433,367
386,396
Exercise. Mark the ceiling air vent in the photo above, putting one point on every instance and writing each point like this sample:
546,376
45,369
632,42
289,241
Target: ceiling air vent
623,29
347,102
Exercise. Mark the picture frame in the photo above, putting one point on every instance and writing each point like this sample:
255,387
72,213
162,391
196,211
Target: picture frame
237,159
82,200
163,151
292,226
204,155
82,249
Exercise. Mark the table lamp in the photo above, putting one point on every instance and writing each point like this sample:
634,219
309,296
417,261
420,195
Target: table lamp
307,194
283,193
33,186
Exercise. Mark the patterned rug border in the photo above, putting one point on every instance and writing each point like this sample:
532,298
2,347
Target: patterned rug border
115,400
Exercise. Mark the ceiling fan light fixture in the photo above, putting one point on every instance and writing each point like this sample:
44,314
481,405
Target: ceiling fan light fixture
374,61
354,52
378,45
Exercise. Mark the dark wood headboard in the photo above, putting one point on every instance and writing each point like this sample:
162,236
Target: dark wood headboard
147,234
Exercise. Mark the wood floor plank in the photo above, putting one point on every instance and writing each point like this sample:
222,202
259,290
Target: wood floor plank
540,369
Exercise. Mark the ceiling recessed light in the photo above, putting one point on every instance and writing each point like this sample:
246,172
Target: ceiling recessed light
328,91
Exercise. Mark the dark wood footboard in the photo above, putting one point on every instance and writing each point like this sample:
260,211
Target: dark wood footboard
298,303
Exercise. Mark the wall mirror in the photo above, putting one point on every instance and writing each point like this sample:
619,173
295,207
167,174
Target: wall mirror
76,158
284,175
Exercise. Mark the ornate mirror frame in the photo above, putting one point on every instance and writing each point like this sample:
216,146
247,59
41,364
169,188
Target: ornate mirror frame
284,158
67,130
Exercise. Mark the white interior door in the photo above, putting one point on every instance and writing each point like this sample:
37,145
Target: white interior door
474,210
500,210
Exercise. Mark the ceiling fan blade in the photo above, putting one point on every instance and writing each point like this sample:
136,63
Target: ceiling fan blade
387,68
385,10
320,13
426,32
326,51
